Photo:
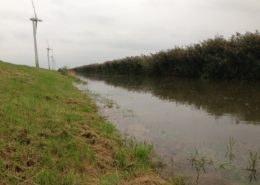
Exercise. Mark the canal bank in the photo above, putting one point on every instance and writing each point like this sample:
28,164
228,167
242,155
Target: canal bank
50,133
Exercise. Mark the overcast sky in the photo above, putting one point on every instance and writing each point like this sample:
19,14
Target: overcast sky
90,31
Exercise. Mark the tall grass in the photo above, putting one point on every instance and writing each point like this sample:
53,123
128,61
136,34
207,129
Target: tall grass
235,58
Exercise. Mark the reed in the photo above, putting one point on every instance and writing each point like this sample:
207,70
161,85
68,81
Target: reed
218,58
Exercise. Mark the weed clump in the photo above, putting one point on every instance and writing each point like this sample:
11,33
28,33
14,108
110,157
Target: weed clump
200,164
253,160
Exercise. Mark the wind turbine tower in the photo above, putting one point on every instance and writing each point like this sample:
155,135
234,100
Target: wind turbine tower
53,60
35,21
48,55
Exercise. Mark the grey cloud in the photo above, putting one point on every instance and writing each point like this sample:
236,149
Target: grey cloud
22,36
83,31
248,6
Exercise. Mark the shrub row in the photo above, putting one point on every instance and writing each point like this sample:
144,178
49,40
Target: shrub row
235,58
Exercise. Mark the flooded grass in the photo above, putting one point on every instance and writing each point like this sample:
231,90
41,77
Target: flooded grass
230,149
200,163
253,161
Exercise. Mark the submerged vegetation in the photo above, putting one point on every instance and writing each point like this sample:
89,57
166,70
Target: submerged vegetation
50,134
235,58
203,163
253,161
199,163
230,149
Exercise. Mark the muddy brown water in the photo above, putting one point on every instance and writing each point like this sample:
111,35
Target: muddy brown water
179,116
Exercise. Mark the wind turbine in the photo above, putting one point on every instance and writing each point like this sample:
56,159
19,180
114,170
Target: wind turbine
48,55
53,60
35,21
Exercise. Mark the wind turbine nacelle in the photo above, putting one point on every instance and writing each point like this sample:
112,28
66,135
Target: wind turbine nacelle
36,19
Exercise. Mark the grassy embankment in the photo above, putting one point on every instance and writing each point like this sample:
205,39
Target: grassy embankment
50,133
218,58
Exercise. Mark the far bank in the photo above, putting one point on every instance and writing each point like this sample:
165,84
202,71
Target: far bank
237,57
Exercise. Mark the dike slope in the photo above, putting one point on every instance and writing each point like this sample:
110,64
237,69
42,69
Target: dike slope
51,134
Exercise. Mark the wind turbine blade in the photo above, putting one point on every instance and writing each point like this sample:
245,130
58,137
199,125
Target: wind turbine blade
34,9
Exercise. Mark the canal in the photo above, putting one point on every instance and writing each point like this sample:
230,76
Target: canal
220,120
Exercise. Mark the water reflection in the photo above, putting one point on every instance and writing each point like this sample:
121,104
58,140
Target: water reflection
241,99
177,116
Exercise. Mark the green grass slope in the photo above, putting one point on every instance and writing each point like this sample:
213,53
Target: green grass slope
50,133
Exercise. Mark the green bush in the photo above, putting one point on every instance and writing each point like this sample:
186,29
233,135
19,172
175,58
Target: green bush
63,70
235,58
